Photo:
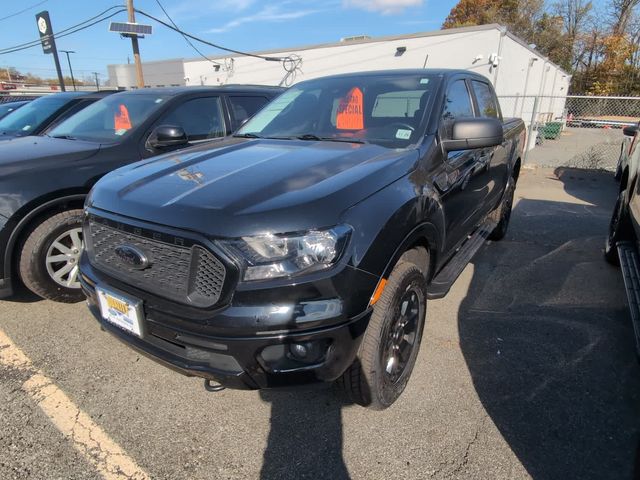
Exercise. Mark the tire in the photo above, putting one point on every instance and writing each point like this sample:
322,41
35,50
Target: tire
619,229
504,212
50,248
380,372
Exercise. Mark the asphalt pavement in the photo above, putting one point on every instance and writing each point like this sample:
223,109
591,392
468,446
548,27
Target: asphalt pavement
527,370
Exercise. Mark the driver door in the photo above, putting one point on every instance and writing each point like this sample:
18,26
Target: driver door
464,178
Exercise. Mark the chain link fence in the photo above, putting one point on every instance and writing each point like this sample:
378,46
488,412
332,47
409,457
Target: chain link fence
574,131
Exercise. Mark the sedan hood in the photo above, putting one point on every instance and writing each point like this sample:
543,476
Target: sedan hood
7,136
250,186
31,153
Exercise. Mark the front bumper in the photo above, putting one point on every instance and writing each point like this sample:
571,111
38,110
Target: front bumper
245,346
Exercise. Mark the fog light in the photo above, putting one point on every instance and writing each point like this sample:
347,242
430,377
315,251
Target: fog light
308,352
299,350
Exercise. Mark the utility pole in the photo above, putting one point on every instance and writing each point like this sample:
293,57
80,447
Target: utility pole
97,81
73,80
134,45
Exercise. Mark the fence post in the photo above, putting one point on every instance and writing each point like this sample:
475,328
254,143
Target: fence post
534,115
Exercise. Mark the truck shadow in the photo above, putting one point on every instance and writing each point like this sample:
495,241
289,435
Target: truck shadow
22,295
305,438
547,338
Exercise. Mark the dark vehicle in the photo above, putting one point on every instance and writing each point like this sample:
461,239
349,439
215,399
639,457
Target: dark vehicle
629,134
46,112
622,247
44,180
7,108
304,249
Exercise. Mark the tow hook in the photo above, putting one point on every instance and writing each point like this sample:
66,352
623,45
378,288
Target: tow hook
209,386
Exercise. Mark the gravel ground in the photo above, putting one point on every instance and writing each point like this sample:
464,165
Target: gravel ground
590,148
527,370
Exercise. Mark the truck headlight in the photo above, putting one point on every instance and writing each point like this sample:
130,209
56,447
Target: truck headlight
273,256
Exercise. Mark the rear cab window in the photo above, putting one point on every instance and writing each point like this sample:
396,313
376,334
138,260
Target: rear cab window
487,102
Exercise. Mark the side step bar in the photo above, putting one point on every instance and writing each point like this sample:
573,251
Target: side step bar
441,284
630,265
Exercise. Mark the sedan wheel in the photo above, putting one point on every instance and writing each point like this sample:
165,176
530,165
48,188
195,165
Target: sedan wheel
63,257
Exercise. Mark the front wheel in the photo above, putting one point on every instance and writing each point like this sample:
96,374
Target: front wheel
391,342
50,255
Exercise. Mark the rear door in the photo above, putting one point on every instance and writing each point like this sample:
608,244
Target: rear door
494,159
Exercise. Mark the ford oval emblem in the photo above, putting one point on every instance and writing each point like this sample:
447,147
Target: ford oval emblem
132,257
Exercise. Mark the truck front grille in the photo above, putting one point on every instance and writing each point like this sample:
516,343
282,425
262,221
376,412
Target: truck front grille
188,274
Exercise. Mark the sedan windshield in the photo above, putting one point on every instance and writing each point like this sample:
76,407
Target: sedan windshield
28,118
109,120
7,108
387,110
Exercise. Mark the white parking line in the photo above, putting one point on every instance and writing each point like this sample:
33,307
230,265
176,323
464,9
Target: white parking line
109,459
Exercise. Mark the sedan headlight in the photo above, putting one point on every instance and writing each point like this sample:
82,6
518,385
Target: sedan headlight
273,256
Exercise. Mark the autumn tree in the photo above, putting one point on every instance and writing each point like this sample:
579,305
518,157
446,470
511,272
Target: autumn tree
601,51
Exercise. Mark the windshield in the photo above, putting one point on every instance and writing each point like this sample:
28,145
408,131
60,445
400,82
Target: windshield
383,109
109,120
28,118
7,108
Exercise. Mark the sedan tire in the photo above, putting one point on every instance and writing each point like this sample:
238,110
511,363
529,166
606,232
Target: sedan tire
49,257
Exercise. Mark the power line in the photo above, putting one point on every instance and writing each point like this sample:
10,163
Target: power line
201,40
184,36
23,10
67,31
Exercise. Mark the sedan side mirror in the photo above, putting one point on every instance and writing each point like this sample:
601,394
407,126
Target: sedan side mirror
469,133
167,136
630,130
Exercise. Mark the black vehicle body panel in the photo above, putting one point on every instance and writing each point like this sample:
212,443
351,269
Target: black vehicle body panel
392,199
39,172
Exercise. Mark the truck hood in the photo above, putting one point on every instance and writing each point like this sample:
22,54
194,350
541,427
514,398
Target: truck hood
244,187
32,153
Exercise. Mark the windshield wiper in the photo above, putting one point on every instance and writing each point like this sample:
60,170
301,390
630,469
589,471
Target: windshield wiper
311,136
247,135
66,137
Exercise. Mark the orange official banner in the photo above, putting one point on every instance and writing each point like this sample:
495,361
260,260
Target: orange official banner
350,115
121,119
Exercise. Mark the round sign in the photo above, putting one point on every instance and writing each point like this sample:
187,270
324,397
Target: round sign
42,25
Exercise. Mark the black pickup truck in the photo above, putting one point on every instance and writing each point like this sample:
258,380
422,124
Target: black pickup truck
45,179
305,248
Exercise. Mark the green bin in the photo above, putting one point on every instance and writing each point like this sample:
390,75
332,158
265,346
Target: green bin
551,130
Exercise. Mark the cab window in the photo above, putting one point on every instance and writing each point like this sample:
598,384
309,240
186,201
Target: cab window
457,105
245,107
201,118
487,103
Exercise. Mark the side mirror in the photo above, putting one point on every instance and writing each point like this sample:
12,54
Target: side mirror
469,133
630,130
167,136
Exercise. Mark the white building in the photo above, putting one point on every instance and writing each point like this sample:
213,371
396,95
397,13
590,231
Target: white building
515,68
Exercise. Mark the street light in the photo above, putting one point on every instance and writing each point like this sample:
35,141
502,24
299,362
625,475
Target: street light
70,69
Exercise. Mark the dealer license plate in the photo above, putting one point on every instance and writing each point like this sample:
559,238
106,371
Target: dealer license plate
122,311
